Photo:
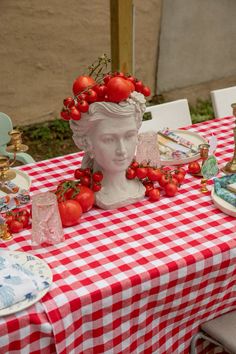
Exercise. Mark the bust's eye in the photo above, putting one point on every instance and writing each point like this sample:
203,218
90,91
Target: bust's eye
130,135
107,139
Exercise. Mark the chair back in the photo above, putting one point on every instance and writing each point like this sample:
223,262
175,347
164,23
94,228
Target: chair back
222,100
5,128
173,115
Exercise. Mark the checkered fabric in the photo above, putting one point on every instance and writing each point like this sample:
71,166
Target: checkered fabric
138,279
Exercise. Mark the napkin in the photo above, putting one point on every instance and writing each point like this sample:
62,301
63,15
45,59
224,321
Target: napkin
17,283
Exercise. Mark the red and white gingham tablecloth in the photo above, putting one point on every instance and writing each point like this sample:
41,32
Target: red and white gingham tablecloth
138,279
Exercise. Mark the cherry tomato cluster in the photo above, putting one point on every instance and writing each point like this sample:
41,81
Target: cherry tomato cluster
157,179
111,87
73,198
18,220
89,179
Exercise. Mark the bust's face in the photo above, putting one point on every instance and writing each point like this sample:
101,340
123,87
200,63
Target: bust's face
114,141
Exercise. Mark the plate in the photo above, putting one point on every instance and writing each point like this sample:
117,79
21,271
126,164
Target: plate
221,204
194,138
36,266
22,180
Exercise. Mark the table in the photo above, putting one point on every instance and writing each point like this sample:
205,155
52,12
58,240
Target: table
138,279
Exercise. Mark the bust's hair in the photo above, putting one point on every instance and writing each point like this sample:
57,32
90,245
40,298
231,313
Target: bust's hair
105,110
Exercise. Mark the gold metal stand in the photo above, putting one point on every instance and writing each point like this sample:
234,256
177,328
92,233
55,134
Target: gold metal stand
15,145
230,167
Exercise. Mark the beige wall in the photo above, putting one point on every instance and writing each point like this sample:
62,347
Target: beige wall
197,46
46,44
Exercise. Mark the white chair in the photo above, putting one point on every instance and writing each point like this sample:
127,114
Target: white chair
222,100
5,128
173,115
220,331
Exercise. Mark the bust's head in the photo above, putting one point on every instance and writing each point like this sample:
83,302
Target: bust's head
108,132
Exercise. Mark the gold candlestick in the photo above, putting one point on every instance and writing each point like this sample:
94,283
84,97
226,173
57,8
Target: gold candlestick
15,146
4,232
6,174
230,167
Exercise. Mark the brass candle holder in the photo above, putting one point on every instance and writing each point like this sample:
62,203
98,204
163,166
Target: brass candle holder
6,174
15,146
204,152
230,167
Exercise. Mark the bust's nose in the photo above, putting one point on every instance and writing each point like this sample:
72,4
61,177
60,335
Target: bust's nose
121,148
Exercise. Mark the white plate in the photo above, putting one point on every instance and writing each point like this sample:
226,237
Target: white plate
221,204
22,180
194,138
36,266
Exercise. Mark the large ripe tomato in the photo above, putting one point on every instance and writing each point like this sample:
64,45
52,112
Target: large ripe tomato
81,83
118,89
70,212
85,197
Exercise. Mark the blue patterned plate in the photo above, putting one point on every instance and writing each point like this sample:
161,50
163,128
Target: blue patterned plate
36,266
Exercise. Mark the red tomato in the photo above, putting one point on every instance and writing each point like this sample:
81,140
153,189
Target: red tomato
101,91
79,172
82,83
9,218
134,164
118,89
131,79
165,178
194,167
16,226
182,170
82,106
106,79
154,195
24,220
146,91
70,212
131,85
75,114
139,86
130,173
65,114
86,198
175,180
179,176
97,176
154,174
96,187
69,193
69,102
85,181
141,172
171,189
148,187
91,96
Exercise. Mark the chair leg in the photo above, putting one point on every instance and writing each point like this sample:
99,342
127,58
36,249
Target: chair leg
201,335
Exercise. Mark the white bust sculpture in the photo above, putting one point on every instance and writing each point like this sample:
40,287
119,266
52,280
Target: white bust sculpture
108,135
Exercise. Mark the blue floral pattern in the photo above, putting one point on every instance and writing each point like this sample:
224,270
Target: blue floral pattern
24,279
